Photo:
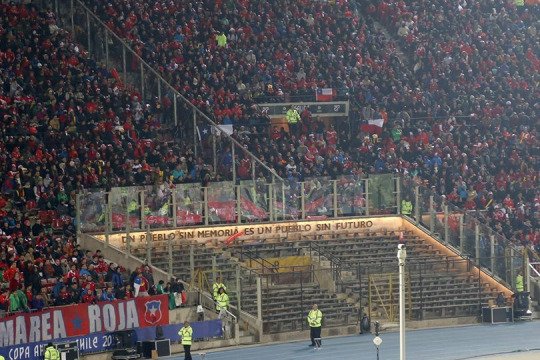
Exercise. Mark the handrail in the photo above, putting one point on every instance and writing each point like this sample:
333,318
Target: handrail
531,265
319,250
208,297
259,260
176,93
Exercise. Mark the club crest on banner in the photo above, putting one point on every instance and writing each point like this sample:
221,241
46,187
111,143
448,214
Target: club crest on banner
152,315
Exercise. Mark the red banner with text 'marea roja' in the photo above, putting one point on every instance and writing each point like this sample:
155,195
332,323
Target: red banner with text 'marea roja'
83,319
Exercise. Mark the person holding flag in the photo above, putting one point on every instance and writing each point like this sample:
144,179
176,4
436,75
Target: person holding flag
141,285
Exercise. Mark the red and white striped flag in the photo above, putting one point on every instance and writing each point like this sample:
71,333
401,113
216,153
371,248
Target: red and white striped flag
324,94
373,126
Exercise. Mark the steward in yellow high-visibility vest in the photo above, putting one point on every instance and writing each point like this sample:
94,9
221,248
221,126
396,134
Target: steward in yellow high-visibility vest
406,207
314,320
186,334
216,286
221,40
51,353
293,117
222,302
519,282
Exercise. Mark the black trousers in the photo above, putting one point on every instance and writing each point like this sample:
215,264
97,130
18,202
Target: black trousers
315,332
187,352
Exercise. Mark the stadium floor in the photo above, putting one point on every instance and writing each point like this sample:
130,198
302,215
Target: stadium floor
518,341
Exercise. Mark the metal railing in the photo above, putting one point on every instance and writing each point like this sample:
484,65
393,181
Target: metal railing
134,208
463,232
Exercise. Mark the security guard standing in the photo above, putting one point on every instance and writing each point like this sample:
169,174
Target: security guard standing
293,117
519,282
406,207
222,302
314,319
51,353
218,285
186,333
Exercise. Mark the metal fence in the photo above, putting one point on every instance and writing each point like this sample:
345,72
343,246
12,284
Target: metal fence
464,232
160,207
429,285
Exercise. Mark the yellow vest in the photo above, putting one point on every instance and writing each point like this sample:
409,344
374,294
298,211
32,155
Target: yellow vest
186,333
314,318
216,287
292,116
406,207
221,40
519,2
222,301
519,283
52,354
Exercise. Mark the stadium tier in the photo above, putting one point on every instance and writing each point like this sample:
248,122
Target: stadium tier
287,146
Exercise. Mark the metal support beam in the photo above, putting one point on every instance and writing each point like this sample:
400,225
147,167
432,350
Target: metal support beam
334,198
477,243
431,214
366,183
259,299
195,131
78,214
416,205
170,254
233,150
238,290
192,262
174,210
446,229
214,152
214,268
270,190
302,200
398,195
239,203
205,199
128,236
492,251
142,220
148,246
461,235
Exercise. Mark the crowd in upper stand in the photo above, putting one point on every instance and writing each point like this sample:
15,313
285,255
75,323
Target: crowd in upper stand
461,115
460,105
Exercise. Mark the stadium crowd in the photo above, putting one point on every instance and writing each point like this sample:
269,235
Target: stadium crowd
66,124
461,117
481,61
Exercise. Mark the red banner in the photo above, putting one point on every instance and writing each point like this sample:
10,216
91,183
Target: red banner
83,319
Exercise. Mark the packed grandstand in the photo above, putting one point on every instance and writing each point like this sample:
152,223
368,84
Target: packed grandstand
456,84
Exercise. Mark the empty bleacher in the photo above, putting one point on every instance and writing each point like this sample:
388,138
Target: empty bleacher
438,285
